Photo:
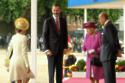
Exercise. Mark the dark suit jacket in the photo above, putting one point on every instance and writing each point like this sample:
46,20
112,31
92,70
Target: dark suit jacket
52,39
110,44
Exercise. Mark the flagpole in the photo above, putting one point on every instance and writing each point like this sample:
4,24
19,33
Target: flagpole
124,27
33,37
85,19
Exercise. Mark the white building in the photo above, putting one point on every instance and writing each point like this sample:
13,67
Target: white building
120,25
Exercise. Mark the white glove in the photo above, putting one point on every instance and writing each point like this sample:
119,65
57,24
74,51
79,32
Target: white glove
90,51
48,52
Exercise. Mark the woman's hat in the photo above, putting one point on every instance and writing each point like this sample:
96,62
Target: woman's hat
22,24
89,25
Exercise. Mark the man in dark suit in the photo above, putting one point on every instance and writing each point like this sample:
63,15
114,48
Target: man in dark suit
110,48
55,42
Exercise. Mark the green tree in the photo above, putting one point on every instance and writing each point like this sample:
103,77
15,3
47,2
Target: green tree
44,7
114,14
12,9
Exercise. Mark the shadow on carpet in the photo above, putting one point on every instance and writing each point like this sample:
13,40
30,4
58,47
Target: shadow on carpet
84,80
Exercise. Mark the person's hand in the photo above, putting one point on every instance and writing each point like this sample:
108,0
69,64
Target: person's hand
49,53
91,51
119,54
65,51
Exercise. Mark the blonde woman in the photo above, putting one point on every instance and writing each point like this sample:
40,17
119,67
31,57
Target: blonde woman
19,65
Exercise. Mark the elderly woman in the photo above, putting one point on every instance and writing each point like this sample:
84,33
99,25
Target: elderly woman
19,66
91,45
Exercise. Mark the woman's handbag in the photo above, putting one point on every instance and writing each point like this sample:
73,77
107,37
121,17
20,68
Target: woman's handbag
6,62
96,62
7,59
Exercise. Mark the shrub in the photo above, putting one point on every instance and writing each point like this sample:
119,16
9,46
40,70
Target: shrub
121,63
120,66
80,64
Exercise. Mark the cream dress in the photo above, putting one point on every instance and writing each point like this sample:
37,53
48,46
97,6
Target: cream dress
19,60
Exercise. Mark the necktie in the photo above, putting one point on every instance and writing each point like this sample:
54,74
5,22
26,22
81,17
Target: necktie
57,24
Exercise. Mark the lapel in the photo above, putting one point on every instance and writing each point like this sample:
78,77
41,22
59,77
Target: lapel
54,26
106,26
60,20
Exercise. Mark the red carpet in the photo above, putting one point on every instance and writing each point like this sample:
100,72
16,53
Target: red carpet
84,80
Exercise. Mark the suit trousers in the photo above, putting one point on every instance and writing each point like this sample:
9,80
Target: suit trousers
109,71
55,64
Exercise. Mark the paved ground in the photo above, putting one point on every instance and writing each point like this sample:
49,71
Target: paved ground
42,70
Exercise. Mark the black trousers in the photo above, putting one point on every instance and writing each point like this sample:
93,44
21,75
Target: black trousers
13,82
55,64
109,71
